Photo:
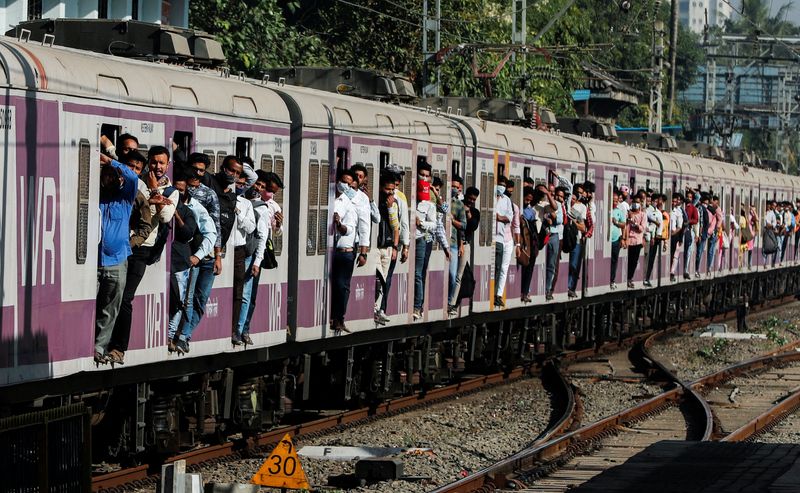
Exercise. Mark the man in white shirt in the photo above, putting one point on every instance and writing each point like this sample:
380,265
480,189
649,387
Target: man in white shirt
426,221
267,212
503,249
405,233
244,225
345,226
367,212
771,223
577,214
676,235
653,232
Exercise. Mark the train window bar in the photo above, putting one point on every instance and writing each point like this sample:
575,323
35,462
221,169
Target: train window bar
456,168
384,160
244,145
184,142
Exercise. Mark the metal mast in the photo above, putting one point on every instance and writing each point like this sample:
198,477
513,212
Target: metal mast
657,80
431,27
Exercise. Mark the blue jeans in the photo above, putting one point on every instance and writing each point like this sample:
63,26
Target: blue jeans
181,305
247,296
453,274
110,287
712,250
422,255
699,254
553,255
575,258
202,290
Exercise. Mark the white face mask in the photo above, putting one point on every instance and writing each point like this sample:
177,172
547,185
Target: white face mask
343,187
499,190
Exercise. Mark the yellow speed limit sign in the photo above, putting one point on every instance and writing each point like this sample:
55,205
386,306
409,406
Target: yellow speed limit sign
282,468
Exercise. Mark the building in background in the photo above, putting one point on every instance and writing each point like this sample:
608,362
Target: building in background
692,13
172,12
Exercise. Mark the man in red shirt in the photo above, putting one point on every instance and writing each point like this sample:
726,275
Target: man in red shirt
690,237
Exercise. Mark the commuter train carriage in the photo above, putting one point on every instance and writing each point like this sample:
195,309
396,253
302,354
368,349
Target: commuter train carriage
340,131
50,179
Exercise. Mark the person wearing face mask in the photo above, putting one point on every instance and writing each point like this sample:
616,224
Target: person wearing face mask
345,225
426,219
636,225
162,198
442,208
261,196
193,240
577,214
503,248
464,276
117,195
388,242
401,201
458,220
245,227
367,212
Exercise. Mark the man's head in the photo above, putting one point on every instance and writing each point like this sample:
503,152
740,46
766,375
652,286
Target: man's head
577,192
344,182
589,189
659,199
196,166
231,170
179,181
135,161
471,196
387,184
110,180
527,195
500,189
616,196
528,182
560,194
424,171
689,195
636,204
125,144
715,200
360,172
457,185
510,187
158,161
267,182
436,184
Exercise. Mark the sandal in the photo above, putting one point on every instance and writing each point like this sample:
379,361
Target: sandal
100,359
116,357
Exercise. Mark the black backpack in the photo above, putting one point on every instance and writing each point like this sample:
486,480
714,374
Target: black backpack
227,214
163,234
570,238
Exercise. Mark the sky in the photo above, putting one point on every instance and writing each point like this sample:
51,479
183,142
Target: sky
794,12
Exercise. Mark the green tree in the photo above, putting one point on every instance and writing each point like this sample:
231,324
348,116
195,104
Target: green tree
255,34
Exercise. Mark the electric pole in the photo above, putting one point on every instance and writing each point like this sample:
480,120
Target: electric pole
673,51
431,27
519,35
656,81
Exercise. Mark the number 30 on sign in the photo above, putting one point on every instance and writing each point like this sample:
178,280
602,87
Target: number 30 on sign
282,468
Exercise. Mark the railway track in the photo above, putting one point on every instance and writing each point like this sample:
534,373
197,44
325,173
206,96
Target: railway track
146,475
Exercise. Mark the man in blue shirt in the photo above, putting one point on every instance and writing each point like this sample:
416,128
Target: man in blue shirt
118,189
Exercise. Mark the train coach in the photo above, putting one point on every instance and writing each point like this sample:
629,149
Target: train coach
58,102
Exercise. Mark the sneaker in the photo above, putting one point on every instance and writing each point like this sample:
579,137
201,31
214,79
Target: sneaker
687,276
452,310
384,318
236,339
572,294
548,295
672,278
697,275
647,284
378,320
171,347
417,314
630,284
613,286
246,339
182,346
498,302
100,359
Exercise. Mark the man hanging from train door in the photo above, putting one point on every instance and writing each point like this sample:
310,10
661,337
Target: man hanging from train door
458,220
424,236
577,214
367,212
243,250
345,226
405,232
691,238
503,244
388,241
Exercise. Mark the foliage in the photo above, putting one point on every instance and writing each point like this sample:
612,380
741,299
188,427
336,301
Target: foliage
715,350
255,34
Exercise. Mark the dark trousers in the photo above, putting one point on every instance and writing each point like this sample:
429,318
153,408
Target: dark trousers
615,247
527,276
341,274
137,264
785,246
796,243
633,260
239,266
388,284
652,254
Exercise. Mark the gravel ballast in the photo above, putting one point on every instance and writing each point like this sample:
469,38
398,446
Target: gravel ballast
464,434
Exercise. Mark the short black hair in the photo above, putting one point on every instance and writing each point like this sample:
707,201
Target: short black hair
269,177
126,136
437,182
388,178
229,159
527,180
341,173
588,186
472,191
424,165
678,196
248,160
458,179
576,187
359,167
501,179
157,151
527,191
617,191
509,183
133,156
180,175
199,157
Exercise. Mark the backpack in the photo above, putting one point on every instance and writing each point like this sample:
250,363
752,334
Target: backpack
747,233
570,238
227,214
162,236
467,283
770,245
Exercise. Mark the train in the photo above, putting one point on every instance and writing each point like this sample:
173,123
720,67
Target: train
57,103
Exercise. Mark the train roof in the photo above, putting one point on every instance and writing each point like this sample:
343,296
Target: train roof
103,77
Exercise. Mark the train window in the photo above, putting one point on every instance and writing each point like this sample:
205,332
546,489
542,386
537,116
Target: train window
455,168
211,158
647,184
279,168
384,160
468,181
266,163
111,131
84,167
501,170
220,159
184,142
313,207
572,178
482,207
615,182
341,158
633,185
526,173
674,186
244,146
324,181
